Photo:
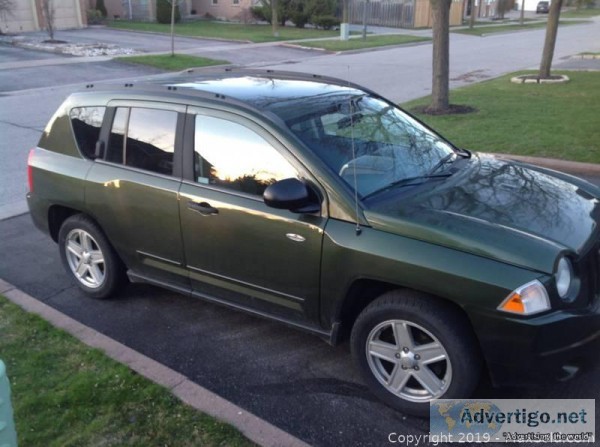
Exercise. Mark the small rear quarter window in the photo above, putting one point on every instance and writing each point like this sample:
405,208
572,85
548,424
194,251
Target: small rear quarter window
87,122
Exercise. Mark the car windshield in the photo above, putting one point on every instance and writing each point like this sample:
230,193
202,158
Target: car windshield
370,143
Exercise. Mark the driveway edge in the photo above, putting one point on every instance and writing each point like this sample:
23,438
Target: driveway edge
253,427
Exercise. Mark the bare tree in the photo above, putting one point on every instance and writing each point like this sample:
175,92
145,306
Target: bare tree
550,41
48,12
440,10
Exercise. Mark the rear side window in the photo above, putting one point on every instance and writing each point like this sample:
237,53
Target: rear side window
86,122
144,139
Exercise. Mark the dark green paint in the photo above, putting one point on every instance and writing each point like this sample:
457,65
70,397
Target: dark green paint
471,238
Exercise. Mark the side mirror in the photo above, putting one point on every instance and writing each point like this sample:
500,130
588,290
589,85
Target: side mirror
291,194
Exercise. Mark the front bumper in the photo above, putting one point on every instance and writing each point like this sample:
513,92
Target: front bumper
550,347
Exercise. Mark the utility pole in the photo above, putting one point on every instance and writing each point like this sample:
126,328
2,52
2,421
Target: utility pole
274,18
173,4
364,32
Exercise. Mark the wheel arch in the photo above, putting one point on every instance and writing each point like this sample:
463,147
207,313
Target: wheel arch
364,291
57,214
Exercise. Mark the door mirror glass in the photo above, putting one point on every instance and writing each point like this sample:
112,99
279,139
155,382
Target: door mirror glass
291,194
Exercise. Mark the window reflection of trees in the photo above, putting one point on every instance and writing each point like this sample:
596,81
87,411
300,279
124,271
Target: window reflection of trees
513,196
341,128
237,158
150,140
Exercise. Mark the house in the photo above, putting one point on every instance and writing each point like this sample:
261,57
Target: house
399,13
488,8
145,10
27,15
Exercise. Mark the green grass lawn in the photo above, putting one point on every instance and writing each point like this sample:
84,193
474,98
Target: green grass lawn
358,43
66,394
222,30
544,120
171,63
582,13
480,31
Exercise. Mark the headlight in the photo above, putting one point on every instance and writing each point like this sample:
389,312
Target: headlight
530,298
563,277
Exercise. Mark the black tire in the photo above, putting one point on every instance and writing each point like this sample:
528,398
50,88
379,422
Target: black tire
98,279
430,322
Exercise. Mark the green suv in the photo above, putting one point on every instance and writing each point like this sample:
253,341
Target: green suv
322,205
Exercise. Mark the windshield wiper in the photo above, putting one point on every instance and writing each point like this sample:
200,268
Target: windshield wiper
449,158
409,181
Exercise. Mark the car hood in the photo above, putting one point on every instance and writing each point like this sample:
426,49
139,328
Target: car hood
509,211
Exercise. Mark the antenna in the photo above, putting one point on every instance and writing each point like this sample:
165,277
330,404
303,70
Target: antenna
358,229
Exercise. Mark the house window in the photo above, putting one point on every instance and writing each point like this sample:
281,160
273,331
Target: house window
215,2
235,2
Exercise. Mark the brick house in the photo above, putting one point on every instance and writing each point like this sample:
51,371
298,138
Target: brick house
145,10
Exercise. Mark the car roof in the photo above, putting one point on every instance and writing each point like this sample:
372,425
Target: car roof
287,94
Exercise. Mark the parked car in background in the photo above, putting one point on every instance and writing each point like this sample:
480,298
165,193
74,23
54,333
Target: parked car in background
542,7
322,205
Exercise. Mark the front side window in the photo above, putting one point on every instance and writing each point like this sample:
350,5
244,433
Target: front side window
370,142
143,138
232,156
87,122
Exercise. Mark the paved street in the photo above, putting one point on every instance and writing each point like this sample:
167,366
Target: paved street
291,379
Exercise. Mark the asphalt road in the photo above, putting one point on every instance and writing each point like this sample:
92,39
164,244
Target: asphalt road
291,379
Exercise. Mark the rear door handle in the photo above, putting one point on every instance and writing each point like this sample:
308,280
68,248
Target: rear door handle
203,208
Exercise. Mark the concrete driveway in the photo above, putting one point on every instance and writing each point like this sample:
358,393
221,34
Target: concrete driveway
290,379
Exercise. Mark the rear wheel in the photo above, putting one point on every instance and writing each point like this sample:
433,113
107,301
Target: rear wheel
412,348
89,258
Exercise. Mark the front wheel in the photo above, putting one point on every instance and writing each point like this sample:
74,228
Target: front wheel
412,349
89,258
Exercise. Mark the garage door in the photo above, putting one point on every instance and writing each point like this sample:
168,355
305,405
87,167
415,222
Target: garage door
21,19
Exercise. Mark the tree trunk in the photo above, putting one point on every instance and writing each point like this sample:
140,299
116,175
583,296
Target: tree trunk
48,11
472,18
550,41
274,18
440,10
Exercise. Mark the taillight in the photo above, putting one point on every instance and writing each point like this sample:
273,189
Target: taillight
30,170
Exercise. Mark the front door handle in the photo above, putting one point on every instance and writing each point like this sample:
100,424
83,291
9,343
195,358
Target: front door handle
203,208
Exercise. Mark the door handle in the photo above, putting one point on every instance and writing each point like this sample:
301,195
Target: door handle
203,208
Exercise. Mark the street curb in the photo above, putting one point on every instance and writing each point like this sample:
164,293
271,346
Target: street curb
253,427
571,167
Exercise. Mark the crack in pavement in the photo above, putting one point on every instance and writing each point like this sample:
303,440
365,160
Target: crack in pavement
20,126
